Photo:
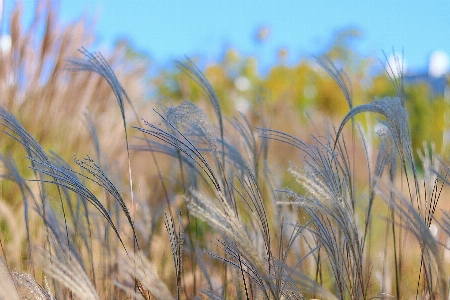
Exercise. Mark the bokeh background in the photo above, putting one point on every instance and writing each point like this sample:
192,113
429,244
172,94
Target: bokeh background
269,45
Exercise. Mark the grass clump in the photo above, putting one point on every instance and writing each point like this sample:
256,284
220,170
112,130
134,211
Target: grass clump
208,214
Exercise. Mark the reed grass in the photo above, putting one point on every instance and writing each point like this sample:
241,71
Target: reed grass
208,215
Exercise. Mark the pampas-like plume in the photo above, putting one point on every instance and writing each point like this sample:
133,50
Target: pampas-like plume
138,266
397,123
15,286
226,222
192,71
335,228
414,222
184,145
65,268
28,288
194,120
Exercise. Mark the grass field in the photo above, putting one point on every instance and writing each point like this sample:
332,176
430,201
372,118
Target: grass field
105,196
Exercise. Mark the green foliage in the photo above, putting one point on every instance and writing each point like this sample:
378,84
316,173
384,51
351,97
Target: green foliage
426,115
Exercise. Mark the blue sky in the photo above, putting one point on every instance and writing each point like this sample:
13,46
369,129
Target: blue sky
168,30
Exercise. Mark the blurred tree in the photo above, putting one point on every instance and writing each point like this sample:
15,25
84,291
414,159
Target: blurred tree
330,99
426,115
341,50
306,86
381,87
234,79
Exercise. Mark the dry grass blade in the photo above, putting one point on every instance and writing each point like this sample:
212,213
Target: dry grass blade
100,178
138,266
238,243
66,269
17,132
67,178
341,78
246,131
184,145
444,223
59,239
7,287
97,63
93,132
386,159
306,241
392,69
192,71
251,189
13,174
328,203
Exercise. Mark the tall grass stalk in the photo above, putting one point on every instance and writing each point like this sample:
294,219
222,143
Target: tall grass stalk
234,207
241,229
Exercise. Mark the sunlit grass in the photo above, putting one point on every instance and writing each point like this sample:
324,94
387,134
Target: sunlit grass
98,203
